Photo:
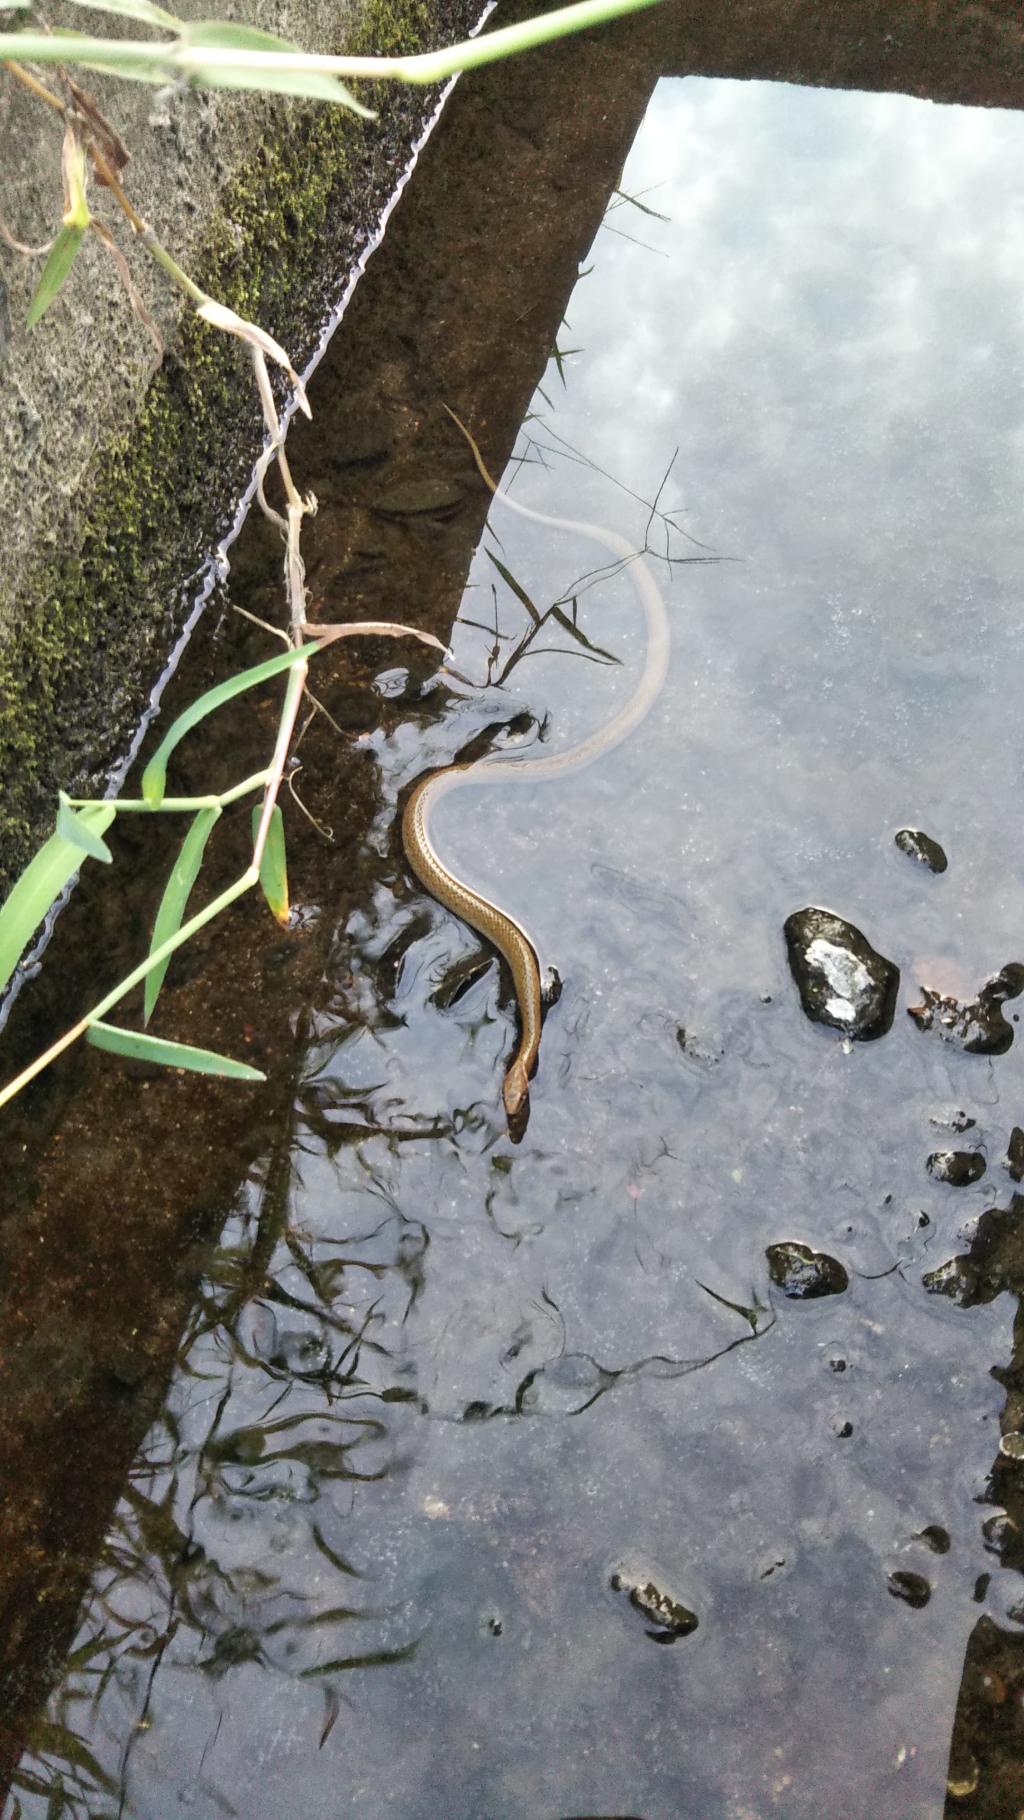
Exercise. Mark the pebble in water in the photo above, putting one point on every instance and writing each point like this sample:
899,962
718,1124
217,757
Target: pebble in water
957,1167
1014,1164
841,979
803,1274
922,848
979,1028
667,1616
912,1588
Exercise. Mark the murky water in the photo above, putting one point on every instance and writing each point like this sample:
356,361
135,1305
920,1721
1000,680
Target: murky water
440,1390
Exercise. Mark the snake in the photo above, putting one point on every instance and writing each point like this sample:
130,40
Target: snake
470,906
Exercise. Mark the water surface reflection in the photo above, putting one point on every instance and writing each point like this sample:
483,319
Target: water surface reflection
438,1390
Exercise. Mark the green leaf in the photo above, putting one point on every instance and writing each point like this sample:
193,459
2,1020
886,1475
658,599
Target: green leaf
58,265
41,884
133,9
184,873
144,1048
79,832
225,35
154,777
273,865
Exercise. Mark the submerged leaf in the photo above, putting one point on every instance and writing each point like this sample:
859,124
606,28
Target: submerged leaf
273,864
41,884
143,1048
154,777
58,265
184,873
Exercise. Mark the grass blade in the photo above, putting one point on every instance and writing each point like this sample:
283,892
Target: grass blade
40,885
177,890
154,777
144,1048
56,269
576,632
517,588
273,865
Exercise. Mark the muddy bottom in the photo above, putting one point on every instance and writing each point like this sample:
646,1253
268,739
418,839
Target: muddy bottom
666,1461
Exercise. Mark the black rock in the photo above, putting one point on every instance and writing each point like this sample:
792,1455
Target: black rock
921,847
1014,1164
803,1274
979,1028
841,979
957,1167
956,1278
667,1616
913,1589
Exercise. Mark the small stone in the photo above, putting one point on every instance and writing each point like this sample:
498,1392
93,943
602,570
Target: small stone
978,1028
913,1589
935,1537
922,848
667,1615
1014,1164
841,979
955,1278
999,1532
803,1274
957,1167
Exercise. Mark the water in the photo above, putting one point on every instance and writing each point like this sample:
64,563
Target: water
438,1389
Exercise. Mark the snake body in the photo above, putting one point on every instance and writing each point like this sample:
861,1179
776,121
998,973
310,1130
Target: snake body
500,929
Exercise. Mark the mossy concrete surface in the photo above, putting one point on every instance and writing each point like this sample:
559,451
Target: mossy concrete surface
118,470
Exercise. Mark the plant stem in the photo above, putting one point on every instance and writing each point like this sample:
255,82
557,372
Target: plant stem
181,805
179,59
289,713
245,883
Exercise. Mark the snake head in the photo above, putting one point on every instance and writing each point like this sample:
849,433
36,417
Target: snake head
516,1090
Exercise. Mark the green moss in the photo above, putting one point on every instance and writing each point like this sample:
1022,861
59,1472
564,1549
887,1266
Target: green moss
74,673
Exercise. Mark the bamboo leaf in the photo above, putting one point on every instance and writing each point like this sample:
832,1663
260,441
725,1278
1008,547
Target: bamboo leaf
144,1048
177,890
154,777
225,35
273,865
58,265
79,832
40,885
517,588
